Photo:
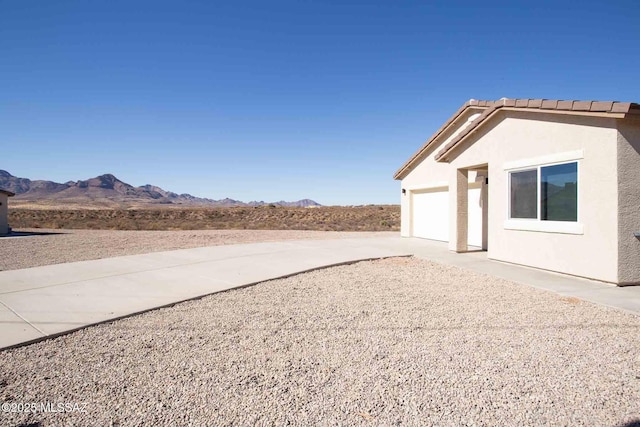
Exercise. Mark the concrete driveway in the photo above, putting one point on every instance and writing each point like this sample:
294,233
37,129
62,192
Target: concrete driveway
41,302
46,301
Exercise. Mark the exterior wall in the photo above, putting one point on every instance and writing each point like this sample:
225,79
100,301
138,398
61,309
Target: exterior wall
628,201
516,136
4,213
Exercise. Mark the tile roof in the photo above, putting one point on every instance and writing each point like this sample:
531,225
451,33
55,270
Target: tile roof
540,105
471,104
8,193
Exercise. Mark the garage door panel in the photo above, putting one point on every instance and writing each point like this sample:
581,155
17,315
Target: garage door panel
430,215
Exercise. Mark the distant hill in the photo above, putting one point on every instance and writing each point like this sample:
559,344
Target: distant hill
108,191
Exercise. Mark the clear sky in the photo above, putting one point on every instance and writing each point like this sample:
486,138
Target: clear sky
270,100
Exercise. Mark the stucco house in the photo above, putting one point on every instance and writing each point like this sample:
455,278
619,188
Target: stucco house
4,211
543,183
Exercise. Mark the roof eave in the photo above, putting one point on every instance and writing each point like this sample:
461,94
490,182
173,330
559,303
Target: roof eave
408,166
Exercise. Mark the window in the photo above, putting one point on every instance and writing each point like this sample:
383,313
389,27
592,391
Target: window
557,187
559,192
524,194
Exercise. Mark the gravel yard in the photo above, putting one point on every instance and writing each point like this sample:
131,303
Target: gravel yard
399,341
58,246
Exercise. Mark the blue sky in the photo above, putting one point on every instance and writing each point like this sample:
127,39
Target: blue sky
285,100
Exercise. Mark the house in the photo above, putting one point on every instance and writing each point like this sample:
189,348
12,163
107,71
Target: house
542,183
4,211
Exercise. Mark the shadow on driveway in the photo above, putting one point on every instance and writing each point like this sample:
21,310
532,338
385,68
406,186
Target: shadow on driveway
14,233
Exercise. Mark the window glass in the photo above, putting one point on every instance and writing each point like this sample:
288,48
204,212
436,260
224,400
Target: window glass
524,194
559,192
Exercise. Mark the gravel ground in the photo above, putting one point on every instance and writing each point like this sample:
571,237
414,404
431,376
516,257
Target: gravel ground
400,341
58,246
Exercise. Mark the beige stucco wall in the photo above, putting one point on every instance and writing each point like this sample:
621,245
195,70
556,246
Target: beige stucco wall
628,201
515,136
4,212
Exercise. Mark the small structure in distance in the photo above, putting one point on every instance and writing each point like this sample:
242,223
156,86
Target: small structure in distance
4,211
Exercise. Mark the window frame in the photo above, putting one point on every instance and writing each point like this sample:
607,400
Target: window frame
538,224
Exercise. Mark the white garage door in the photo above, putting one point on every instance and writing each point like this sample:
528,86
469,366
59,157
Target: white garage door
430,214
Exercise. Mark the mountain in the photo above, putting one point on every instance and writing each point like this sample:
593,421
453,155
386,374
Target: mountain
108,191
14,184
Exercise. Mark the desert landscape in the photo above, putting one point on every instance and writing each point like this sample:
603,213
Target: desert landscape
107,203
315,213
325,218
390,341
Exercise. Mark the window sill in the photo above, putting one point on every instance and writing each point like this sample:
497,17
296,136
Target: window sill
544,226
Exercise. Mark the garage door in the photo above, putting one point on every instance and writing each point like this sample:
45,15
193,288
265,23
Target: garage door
430,214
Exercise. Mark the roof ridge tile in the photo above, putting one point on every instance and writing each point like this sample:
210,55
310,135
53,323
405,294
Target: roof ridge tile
564,105
582,105
535,103
620,107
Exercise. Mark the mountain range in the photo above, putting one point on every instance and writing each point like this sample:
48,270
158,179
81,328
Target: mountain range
108,191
